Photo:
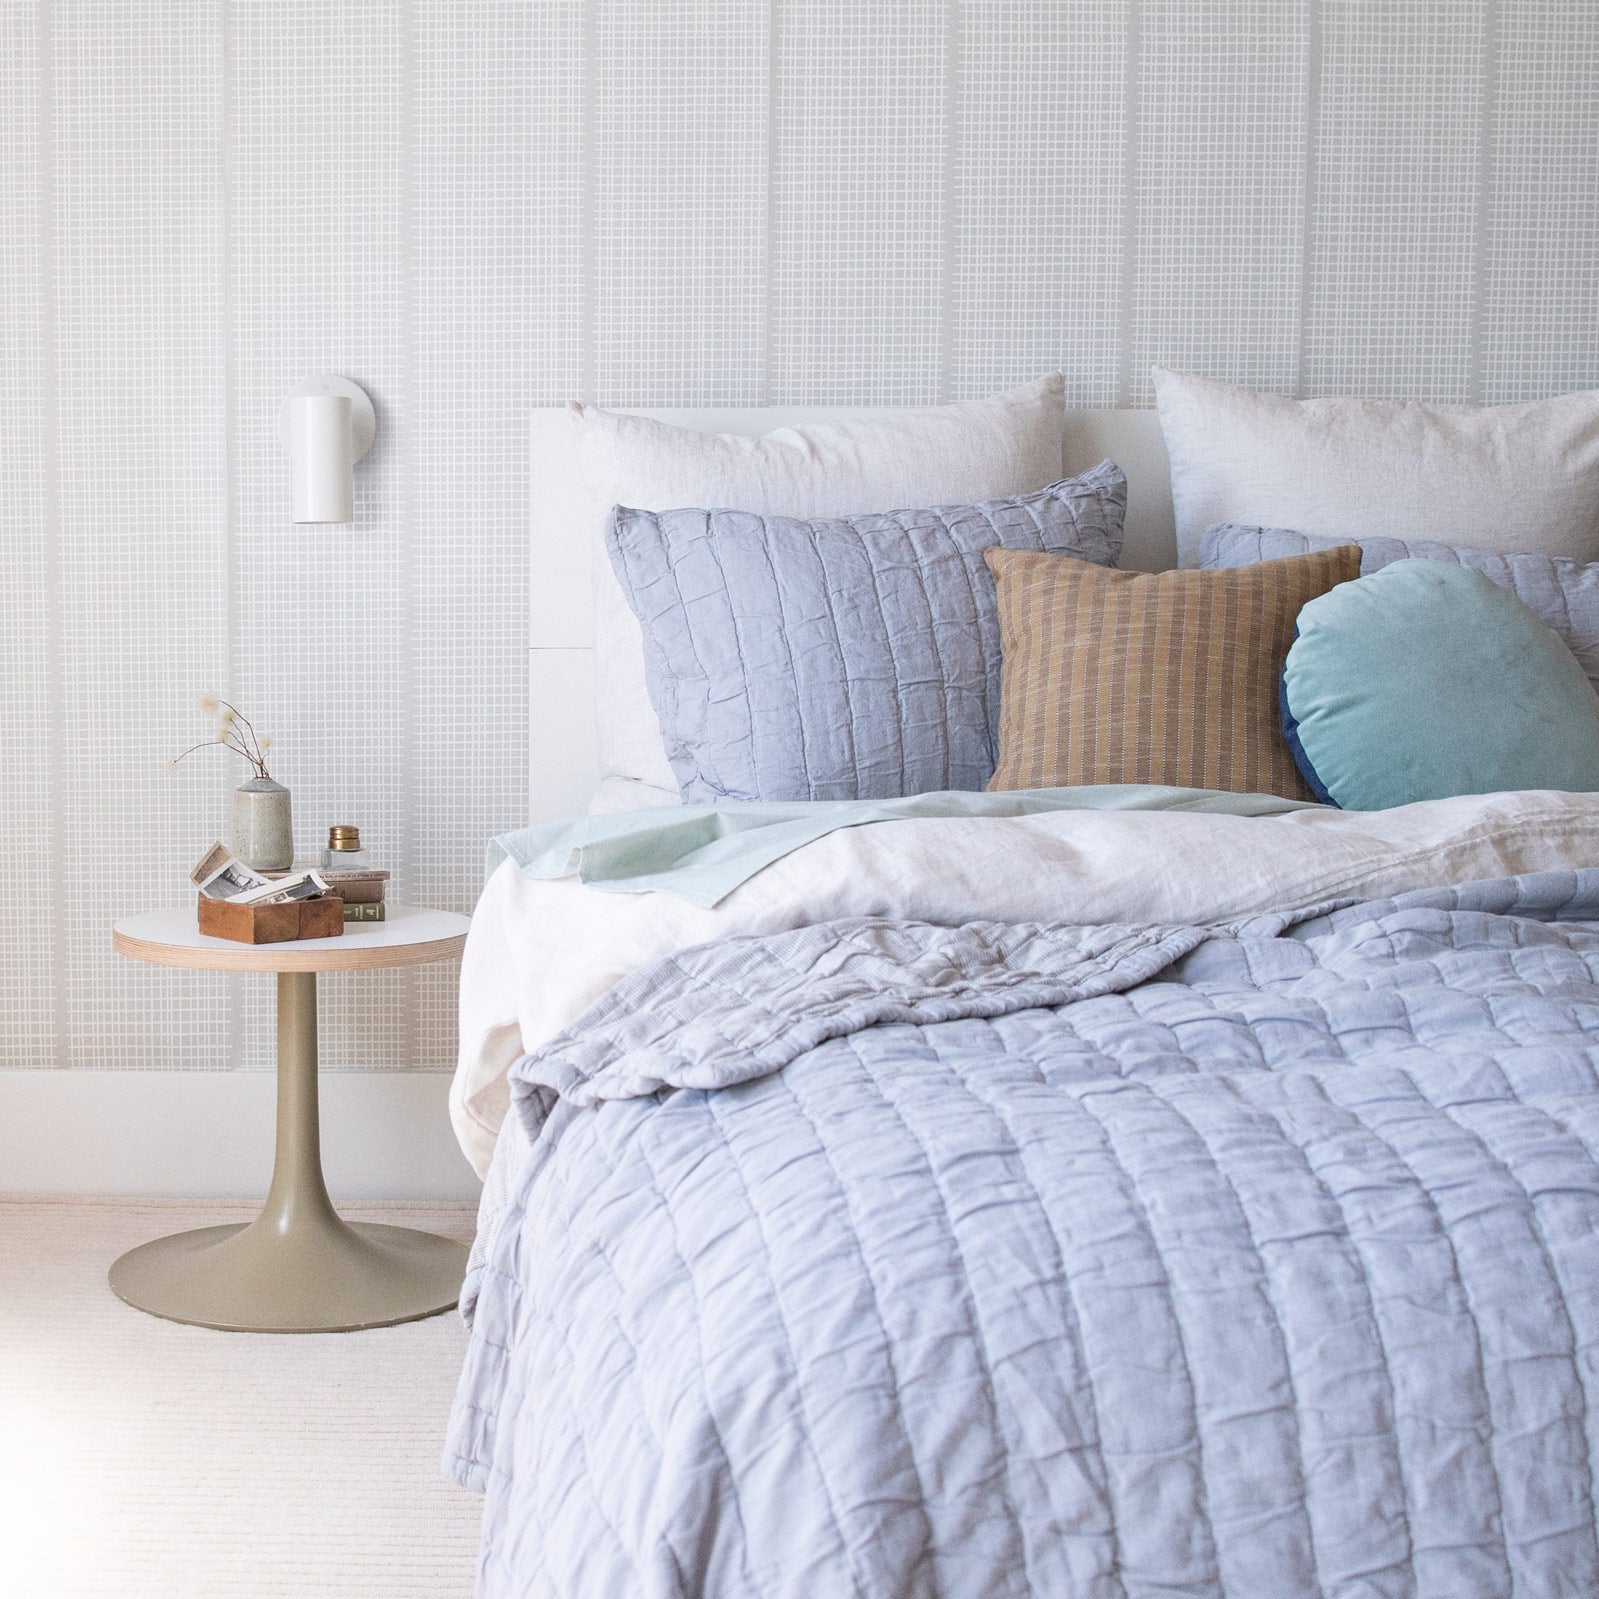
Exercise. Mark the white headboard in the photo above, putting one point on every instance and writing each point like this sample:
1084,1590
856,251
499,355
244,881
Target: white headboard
562,768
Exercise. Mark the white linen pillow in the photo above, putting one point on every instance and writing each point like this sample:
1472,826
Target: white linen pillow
1505,478
936,455
616,794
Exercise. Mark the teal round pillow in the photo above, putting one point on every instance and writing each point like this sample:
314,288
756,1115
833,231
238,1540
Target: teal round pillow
1427,680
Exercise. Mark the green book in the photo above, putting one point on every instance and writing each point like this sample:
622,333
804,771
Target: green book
366,913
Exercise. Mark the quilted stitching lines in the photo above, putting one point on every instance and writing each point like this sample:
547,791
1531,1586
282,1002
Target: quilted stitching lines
1073,1272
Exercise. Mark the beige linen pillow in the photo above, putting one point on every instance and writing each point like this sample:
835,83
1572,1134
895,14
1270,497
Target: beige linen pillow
1493,477
1165,677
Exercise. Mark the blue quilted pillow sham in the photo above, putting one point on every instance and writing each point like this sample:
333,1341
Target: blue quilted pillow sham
851,658
1562,593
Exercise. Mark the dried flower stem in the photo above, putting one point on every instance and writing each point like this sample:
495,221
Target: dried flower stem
245,721
222,743
235,732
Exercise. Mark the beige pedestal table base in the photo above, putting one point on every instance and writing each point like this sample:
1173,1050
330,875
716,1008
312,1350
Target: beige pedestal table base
298,1267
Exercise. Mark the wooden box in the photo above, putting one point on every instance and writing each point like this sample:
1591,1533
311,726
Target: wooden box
272,924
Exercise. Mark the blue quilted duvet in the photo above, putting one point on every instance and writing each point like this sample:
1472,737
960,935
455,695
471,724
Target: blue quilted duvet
891,1260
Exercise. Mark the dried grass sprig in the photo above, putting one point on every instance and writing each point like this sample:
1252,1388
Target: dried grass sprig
234,732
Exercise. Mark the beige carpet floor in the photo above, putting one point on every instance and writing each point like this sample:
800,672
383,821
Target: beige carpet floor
142,1458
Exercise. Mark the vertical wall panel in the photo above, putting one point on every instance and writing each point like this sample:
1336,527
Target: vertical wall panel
27,638
143,579
678,164
498,330
1038,196
1218,154
1393,228
1540,317
320,282
858,172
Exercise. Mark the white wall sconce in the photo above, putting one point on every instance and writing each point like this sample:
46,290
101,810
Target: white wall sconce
328,425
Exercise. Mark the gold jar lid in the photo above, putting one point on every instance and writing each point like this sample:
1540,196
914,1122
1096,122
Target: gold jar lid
343,838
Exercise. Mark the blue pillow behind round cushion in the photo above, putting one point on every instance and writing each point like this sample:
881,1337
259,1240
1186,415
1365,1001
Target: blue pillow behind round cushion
1426,680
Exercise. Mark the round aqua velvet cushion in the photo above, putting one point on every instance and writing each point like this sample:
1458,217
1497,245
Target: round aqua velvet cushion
1426,680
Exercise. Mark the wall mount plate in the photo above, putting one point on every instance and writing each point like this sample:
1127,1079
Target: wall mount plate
363,419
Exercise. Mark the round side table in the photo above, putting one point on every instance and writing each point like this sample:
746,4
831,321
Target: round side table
299,1266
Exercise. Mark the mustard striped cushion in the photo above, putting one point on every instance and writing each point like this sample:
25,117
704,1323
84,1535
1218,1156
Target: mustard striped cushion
1165,677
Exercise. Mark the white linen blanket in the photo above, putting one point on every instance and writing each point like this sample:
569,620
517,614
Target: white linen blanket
541,951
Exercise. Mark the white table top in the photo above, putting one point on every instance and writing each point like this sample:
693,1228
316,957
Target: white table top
410,937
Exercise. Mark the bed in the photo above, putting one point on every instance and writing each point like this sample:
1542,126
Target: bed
1119,1194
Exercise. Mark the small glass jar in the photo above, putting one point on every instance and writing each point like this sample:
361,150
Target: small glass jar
344,852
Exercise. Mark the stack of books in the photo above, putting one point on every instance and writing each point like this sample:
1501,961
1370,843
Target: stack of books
362,890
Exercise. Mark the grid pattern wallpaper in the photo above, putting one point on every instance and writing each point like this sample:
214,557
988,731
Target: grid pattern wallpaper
473,207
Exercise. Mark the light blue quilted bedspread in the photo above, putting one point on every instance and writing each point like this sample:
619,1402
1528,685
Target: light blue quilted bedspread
887,1260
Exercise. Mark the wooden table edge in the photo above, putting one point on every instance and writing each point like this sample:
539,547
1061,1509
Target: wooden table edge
276,958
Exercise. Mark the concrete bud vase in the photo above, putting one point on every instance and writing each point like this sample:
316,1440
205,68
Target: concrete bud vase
263,835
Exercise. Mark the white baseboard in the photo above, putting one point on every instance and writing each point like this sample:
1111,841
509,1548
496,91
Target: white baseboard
385,1135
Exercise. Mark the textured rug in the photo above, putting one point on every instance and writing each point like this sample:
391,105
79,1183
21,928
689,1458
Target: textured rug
139,1457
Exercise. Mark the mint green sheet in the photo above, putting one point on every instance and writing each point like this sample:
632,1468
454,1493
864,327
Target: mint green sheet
701,853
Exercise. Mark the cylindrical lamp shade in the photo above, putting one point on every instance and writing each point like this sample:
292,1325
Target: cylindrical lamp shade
321,456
